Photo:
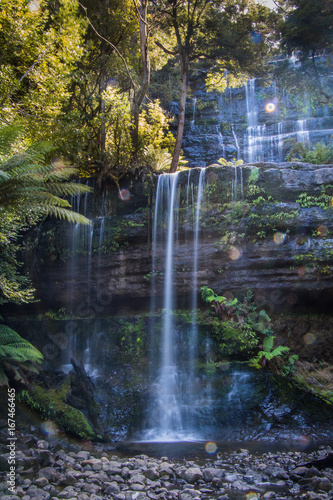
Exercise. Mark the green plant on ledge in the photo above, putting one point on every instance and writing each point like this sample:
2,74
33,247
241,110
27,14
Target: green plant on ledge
274,357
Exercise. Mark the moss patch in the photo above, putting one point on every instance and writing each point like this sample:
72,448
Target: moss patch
50,405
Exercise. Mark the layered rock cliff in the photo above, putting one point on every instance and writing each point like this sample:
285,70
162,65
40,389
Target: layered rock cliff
265,226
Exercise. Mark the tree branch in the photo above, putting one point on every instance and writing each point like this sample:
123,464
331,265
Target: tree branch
167,51
110,43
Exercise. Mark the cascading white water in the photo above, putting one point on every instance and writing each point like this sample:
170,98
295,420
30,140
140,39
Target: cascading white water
255,132
236,142
194,330
194,109
174,402
302,133
221,141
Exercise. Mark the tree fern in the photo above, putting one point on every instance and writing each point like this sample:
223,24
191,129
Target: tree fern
16,352
32,187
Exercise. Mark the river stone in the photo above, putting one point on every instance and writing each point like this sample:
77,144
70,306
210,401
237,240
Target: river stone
35,492
41,481
192,475
193,493
211,473
120,496
84,455
166,470
239,485
137,487
320,483
49,473
185,496
151,474
112,489
91,488
137,478
67,494
99,476
42,444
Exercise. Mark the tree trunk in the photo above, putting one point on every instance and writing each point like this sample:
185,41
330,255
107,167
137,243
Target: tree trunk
181,116
102,87
145,78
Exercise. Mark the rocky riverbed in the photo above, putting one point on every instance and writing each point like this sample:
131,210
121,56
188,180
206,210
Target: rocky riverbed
44,470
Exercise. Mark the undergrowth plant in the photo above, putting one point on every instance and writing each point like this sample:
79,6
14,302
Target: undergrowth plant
244,332
18,357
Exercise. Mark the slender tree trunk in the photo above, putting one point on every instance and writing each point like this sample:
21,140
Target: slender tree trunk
102,86
145,78
181,116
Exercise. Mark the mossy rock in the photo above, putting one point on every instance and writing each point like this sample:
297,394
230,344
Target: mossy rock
50,405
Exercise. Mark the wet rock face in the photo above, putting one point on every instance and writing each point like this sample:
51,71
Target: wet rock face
266,227
236,124
77,473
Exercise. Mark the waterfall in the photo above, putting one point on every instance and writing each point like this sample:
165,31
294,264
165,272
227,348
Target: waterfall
194,329
237,187
221,142
302,133
194,109
255,133
236,142
174,402
280,141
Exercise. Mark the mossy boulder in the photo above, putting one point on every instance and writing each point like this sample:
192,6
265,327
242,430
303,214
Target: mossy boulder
50,405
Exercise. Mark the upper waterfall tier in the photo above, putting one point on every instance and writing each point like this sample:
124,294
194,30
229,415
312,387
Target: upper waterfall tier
253,123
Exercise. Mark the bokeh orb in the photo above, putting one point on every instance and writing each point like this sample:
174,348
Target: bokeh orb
270,107
124,194
211,447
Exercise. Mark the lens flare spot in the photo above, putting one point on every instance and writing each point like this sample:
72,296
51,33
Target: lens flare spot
301,272
322,231
252,495
124,194
309,338
279,238
210,447
302,441
34,6
234,254
270,107
49,428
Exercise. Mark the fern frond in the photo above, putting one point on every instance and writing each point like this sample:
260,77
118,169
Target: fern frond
15,349
68,189
279,350
268,343
67,215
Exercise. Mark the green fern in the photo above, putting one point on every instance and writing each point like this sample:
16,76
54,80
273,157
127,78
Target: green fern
32,187
268,343
16,352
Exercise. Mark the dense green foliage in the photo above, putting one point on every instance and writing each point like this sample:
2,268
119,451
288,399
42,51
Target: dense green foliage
17,356
319,155
32,187
51,405
244,332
